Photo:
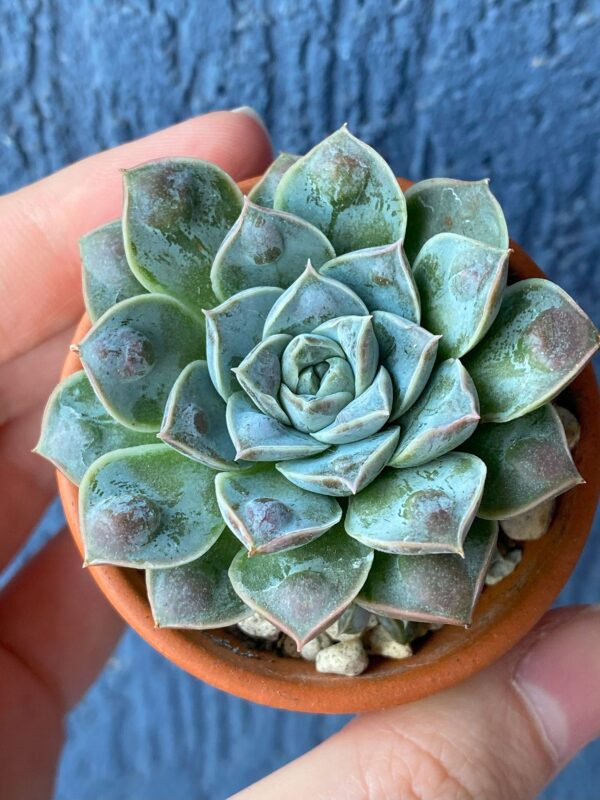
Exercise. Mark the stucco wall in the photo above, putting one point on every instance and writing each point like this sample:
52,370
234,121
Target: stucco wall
507,89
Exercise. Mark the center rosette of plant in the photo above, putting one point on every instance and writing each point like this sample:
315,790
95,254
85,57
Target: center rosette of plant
341,380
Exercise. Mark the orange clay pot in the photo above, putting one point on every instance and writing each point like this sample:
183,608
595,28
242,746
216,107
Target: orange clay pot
503,615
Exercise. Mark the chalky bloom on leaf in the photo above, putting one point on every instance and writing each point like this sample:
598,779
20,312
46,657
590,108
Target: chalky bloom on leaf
318,395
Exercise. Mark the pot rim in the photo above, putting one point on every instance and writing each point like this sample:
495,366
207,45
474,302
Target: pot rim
504,613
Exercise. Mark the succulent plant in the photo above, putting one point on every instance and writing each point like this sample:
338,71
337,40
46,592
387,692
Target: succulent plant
315,399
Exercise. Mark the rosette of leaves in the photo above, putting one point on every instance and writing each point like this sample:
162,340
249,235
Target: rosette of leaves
320,394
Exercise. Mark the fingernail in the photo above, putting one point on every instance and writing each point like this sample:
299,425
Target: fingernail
248,111
558,678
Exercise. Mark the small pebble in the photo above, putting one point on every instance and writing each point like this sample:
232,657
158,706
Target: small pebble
501,566
570,424
259,628
288,647
531,524
380,642
312,648
343,658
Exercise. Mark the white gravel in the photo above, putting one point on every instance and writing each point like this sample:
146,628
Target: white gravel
344,658
380,642
501,566
259,628
570,424
530,525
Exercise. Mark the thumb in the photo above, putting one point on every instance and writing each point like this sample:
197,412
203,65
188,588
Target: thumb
500,735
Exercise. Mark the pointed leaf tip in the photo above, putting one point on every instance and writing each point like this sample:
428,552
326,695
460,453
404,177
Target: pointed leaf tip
304,590
441,588
344,188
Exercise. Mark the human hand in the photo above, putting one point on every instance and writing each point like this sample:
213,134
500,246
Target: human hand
501,735
56,629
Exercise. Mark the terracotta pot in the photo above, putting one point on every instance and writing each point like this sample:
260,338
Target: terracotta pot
504,613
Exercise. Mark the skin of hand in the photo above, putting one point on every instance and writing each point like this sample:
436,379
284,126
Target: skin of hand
502,734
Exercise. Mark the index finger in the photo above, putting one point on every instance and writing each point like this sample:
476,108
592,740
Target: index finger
41,224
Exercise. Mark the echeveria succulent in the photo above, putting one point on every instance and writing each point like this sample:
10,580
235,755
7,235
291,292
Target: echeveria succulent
346,393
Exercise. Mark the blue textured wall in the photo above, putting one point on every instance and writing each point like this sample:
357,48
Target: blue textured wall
508,89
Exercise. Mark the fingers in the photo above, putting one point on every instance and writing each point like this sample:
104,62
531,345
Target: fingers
56,623
500,735
56,632
41,224
28,481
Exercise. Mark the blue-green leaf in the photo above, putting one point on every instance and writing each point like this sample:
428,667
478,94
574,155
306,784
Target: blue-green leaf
528,461
266,248
199,594
343,470
76,428
267,513
356,337
348,191
263,193
176,214
134,354
257,437
364,416
194,421
147,506
461,283
431,588
232,330
408,353
418,510
381,277
538,343
446,205
304,590
259,375
310,301
444,416
105,272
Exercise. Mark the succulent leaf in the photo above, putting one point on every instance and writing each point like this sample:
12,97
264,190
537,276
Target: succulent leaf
263,192
106,276
147,506
135,352
311,300
343,470
232,330
76,428
306,350
461,283
194,420
259,375
408,353
431,588
197,595
446,205
266,248
348,191
310,413
418,510
338,377
176,214
258,437
444,416
381,277
528,461
356,336
304,590
538,343
267,513
362,417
